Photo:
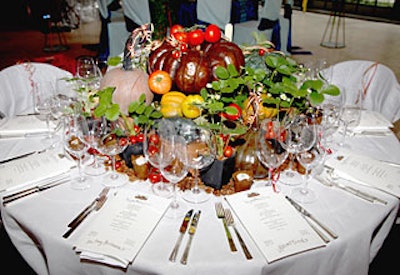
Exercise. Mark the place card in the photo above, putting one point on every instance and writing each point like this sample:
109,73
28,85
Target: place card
23,125
276,227
33,169
117,233
366,170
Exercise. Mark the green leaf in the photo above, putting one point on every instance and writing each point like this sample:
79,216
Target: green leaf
271,61
133,106
316,98
140,109
114,61
232,70
331,90
222,72
113,112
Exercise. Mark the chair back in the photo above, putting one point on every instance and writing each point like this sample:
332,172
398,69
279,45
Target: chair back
379,84
214,12
18,83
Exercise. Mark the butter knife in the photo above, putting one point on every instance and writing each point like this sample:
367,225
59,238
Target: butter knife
36,189
192,230
182,231
94,206
308,214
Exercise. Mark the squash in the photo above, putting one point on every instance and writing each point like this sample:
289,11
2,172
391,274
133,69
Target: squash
129,86
195,68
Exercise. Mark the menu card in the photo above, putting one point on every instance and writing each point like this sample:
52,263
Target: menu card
23,125
275,225
121,228
35,168
366,170
372,121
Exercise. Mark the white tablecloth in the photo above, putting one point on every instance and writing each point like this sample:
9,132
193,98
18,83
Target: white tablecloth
36,224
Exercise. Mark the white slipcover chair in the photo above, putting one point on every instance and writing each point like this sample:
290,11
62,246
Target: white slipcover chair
17,84
379,83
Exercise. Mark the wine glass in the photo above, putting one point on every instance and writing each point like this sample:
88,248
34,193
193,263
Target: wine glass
173,165
45,100
309,159
201,152
153,137
88,73
351,114
76,146
300,135
112,143
271,153
95,129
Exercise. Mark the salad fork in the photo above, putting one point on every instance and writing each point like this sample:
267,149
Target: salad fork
221,215
231,222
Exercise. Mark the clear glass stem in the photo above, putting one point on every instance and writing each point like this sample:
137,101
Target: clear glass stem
80,173
114,174
344,134
196,189
49,132
174,202
306,178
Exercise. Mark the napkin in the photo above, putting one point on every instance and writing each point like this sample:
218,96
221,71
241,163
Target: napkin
22,125
373,122
120,229
33,169
366,170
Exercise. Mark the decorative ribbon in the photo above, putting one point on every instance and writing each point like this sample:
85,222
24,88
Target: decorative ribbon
326,150
30,69
366,84
273,179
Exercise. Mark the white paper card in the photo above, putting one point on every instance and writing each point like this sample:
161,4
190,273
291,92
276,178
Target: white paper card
32,169
121,228
275,225
23,125
371,120
366,170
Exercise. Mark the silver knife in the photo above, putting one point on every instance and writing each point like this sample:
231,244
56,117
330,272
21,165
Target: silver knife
192,230
308,214
182,231
33,190
94,206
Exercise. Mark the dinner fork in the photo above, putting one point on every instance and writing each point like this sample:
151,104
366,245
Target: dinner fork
221,215
231,222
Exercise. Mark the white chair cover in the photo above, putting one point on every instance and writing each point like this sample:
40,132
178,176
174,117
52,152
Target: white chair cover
380,85
216,12
18,82
137,10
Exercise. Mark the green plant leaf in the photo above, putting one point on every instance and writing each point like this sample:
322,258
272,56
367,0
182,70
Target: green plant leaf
222,72
232,70
113,112
331,90
114,61
316,98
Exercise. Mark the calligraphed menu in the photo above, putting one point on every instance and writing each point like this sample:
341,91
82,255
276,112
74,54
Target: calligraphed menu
21,125
32,169
275,226
366,170
121,228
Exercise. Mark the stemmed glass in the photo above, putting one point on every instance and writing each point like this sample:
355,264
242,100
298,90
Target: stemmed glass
271,152
45,100
95,129
351,115
173,165
75,145
201,154
88,72
309,159
153,138
300,135
112,143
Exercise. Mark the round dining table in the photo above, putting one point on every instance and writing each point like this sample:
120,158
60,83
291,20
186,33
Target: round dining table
36,225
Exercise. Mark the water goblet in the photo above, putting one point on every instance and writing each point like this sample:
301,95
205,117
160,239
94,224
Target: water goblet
271,153
88,72
351,115
153,138
173,166
76,146
201,154
95,128
309,159
112,143
300,135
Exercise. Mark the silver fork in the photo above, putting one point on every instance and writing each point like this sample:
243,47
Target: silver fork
221,215
231,222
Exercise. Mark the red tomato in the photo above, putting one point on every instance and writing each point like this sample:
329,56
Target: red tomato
140,137
261,52
132,139
196,37
181,37
123,141
176,54
152,150
228,151
154,178
154,139
233,112
176,28
212,33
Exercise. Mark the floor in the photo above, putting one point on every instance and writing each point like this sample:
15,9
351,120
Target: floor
364,40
